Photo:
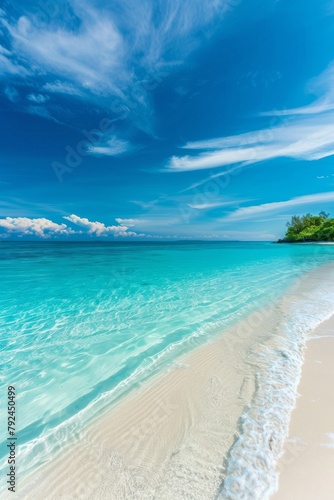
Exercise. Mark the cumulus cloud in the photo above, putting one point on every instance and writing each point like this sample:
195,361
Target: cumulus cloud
100,229
44,228
36,227
96,228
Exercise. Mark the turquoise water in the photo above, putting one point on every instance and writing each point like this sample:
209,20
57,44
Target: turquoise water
82,323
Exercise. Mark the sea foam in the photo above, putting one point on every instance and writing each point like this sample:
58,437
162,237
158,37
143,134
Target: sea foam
256,457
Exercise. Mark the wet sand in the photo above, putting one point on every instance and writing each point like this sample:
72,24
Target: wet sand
167,440
177,435
306,468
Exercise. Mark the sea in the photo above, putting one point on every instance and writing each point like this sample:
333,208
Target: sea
84,323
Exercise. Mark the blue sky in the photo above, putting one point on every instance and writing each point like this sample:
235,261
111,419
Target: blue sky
159,119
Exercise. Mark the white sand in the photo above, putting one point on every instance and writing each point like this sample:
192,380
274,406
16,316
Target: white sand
307,466
167,440
170,439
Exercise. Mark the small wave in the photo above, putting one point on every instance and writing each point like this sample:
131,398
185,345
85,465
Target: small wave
256,457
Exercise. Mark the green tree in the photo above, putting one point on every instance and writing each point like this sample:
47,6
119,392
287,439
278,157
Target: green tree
310,228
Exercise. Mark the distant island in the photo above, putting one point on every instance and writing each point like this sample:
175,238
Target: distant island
309,228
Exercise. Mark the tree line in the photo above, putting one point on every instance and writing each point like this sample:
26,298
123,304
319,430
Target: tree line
309,228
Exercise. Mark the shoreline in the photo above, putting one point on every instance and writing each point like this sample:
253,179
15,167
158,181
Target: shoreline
152,432
306,466
179,433
282,242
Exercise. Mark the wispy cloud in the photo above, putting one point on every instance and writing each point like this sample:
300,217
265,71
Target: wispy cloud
9,66
112,147
305,133
38,98
59,87
266,208
325,176
12,94
13,206
310,139
73,54
225,172
43,112
128,222
206,206
322,86
96,53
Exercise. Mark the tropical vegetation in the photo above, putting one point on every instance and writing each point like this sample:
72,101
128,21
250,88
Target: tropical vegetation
309,228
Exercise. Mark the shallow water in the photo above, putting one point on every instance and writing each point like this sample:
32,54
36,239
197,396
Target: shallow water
82,323
256,458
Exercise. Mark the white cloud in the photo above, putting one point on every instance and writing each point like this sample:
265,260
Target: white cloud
323,85
45,228
249,138
100,229
225,172
310,139
10,67
304,133
112,147
96,228
59,87
37,227
117,50
3,50
205,206
86,56
128,222
41,111
38,98
256,210
325,176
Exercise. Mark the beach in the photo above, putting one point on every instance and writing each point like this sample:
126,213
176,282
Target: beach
176,383
167,250
306,467
211,426
145,445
